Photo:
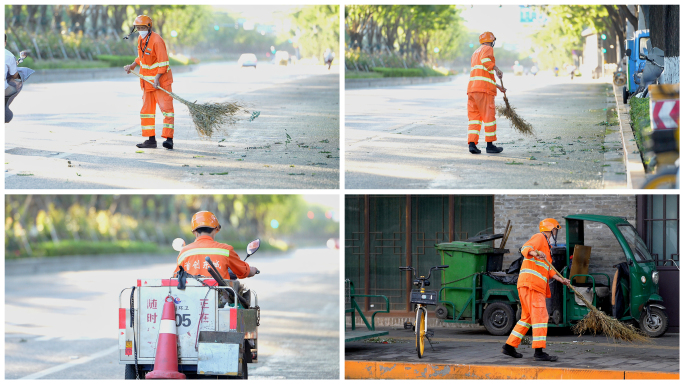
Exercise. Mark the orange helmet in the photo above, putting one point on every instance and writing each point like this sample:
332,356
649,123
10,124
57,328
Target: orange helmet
204,219
548,225
143,20
487,37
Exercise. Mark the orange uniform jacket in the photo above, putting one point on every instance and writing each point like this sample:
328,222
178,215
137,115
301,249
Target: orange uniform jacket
191,257
155,60
482,71
535,274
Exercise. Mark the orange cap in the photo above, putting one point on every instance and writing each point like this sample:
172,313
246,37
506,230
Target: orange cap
487,37
548,225
204,219
143,20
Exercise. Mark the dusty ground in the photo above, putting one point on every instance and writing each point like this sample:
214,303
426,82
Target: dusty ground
415,137
94,126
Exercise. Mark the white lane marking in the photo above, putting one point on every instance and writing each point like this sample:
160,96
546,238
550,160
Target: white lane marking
70,364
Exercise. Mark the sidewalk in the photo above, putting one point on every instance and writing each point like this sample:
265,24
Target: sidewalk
475,354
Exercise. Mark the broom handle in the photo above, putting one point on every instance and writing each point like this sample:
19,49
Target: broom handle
584,299
502,86
144,79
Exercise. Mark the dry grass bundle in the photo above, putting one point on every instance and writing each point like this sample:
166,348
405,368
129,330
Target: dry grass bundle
209,118
597,321
518,122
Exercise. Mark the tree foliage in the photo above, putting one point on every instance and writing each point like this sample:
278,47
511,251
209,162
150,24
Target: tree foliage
316,28
411,31
31,219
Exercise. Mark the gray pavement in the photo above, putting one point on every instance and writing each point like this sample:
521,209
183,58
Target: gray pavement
476,346
62,325
414,137
83,134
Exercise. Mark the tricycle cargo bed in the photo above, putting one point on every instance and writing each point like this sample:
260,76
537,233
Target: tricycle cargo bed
198,309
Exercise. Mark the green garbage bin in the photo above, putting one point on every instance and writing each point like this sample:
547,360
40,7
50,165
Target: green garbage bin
466,261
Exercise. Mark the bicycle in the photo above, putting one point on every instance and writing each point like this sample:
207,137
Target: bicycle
422,298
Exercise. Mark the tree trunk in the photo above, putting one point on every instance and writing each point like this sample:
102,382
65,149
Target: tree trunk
633,19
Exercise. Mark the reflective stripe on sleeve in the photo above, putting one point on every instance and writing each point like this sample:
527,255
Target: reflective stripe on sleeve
485,60
481,67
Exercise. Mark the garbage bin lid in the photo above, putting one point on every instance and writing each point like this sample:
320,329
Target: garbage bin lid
485,237
464,246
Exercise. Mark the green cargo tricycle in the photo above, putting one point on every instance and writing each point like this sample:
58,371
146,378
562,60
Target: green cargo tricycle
477,292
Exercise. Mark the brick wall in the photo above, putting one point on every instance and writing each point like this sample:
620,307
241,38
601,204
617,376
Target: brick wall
526,211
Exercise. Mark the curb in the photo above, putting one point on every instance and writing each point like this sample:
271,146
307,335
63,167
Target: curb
394,81
420,371
67,75
636,176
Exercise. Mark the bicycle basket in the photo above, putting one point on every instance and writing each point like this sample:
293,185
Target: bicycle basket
427,297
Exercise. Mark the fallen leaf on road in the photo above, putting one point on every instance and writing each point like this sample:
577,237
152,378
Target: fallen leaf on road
219,173
514,163
296,174
185,165
139,151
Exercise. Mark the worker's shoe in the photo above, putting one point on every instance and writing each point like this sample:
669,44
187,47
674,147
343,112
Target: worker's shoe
149,143
168,144
473,149
491,148
510,351
540,355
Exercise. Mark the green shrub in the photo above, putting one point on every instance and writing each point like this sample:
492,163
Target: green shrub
640,117
361,75
66,64
120,61
408,72
74,247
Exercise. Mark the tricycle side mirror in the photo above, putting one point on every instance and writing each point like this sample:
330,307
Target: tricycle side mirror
178,244
628,52
252,247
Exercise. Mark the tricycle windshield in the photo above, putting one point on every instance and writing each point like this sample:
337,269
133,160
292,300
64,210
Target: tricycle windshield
641,253
644,46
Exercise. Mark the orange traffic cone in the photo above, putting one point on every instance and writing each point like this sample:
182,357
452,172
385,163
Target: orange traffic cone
166,358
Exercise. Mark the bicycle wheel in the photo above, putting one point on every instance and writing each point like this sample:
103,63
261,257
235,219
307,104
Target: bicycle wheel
420,332
662,180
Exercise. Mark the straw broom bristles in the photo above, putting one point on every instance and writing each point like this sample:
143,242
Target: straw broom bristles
208,118
598,322
518,122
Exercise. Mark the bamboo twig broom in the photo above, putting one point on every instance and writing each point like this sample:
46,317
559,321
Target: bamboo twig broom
597,321
509,112
209,117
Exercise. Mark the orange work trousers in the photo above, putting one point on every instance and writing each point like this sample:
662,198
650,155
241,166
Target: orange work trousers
149,108
533,315
481,111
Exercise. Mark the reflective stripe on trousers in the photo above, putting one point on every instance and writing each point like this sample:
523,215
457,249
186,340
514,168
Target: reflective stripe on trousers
481,111
149,108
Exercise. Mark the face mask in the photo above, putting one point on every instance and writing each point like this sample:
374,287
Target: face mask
493,43
142,33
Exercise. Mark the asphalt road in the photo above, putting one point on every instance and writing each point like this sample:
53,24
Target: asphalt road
63,325
414,137
83,134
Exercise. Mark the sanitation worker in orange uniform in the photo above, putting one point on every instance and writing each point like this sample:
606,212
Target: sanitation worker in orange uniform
481,92
205,226
533,289
154,66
